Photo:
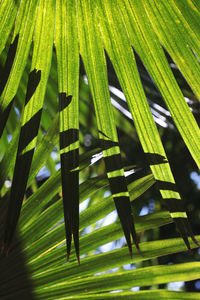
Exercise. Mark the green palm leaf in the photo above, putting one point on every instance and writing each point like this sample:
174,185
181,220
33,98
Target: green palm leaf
68,80
122,57
21,45
42,243
31,69
91,49
32,113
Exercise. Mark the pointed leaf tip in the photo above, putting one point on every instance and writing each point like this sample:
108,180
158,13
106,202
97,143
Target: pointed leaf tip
138,249
130,251
68,243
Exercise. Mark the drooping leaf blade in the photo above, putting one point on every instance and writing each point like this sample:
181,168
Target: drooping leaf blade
92,52
178,48
22,37
117,44
41,63
146,43
68,82
8,11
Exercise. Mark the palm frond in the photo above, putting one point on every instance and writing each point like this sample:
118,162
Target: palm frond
43,98
68,82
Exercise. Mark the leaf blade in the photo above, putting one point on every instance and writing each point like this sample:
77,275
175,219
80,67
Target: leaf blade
32,112
68,82
92,52
119,50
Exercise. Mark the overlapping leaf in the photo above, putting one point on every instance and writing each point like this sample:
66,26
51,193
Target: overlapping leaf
8,11
91,49
38,76
45,261
18,54
68,82
119,49
93,26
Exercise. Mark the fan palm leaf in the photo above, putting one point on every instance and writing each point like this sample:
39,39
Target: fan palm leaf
29,33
